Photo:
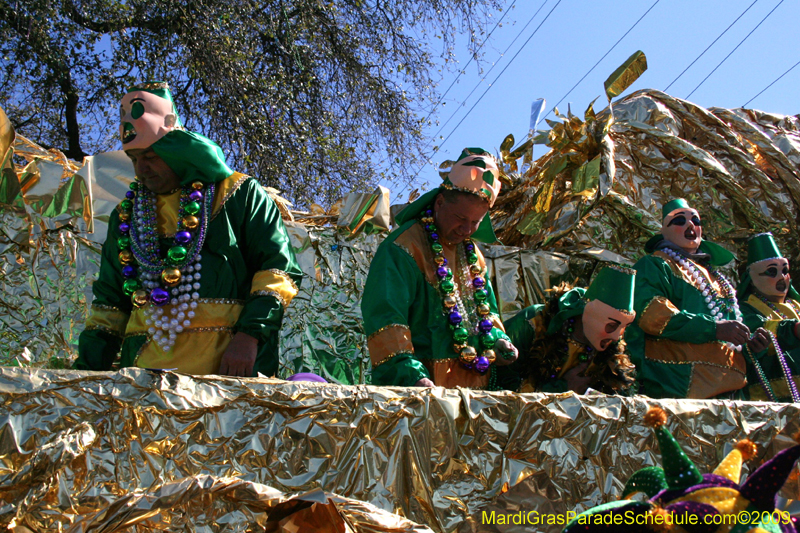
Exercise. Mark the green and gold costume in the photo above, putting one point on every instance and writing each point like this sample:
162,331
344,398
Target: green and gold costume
778,318
249,275
409,337
758,315
527,326
544,334
673,340
411,296
249,271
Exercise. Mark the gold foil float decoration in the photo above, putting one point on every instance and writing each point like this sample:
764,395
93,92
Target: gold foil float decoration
144,451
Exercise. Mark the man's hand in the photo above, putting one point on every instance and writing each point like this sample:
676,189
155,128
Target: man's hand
506,352
239,356
424,382
732,331
760,341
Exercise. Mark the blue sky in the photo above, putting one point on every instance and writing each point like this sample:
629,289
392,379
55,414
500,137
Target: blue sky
578,33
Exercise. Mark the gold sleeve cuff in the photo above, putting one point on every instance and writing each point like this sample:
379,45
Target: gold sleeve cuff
276,283
107,318
657,315
389,341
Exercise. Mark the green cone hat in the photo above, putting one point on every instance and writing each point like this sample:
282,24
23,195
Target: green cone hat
672,205
650,480
613,286
679,470
761,247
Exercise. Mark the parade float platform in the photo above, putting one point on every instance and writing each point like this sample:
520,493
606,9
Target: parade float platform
147,451
139,450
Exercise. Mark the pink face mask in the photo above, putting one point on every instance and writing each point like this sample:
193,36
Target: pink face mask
144,119
771,276
683,228
602,324
468,174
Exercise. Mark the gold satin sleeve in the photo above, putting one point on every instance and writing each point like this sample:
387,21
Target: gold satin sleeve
657,315
276,283
108,319
389,341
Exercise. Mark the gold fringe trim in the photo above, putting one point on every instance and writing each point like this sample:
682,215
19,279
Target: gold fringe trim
384,328
390,356
220,202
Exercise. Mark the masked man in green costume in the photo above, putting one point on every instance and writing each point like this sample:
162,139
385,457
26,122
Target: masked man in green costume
771,307
687,338
197,268
429,310
574,341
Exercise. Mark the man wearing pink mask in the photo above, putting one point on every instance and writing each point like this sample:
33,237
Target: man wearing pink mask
687,339
197,268
574,341
429,310
771,306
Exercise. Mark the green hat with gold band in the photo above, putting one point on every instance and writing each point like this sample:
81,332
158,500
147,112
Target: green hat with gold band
613,286
673,205
762,247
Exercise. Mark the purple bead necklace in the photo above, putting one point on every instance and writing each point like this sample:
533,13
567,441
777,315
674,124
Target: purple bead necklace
167,283
454,307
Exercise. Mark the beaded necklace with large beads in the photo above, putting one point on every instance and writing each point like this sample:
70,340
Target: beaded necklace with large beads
151,278
455,309
716,303
788,302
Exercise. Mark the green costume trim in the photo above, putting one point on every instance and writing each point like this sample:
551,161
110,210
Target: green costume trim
248,237
570,304
192,157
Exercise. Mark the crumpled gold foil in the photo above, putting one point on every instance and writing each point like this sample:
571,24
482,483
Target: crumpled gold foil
322,330
366,212
625,75
606,177
83,451
207,502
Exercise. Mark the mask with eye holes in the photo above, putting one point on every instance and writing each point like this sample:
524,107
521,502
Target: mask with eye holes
771,276
609,309
683,228
145,117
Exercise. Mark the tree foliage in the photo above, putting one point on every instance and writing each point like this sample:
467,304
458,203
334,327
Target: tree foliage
314,97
